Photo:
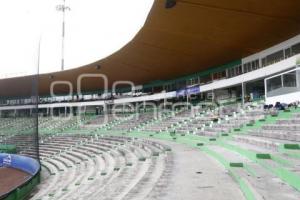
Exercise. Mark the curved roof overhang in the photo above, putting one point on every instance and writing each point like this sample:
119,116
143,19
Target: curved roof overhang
192,36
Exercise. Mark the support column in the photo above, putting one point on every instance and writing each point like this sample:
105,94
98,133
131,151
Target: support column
266,89
187,101
298,76
243,93
212,95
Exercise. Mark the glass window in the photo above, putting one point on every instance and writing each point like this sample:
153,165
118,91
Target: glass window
193,81
147,90
235,71
249,67
239,70
205,79
274,83
289,79
275,57
180,84
245,67
157,89
231,72
255,64
264,62
288,53
296,49
219,75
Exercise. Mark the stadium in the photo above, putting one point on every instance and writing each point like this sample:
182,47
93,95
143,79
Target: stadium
202,103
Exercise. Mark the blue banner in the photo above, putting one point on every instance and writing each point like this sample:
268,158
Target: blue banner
23,163
188,91
193,90
180,92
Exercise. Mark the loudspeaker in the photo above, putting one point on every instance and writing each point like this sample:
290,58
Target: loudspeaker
170,3
98,67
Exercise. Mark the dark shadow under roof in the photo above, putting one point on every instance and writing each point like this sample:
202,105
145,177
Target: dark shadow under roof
190,37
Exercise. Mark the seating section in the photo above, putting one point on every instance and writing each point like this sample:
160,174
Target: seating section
77,166
110,156
263,149
285,129
273,135
134,121
206,123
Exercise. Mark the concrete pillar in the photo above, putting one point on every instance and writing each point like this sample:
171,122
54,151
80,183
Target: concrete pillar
243,93
298,76
187,101
212,95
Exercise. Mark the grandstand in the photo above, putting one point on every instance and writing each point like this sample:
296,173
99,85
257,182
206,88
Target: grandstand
204,103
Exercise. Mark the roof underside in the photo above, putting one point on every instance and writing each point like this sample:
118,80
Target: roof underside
192,36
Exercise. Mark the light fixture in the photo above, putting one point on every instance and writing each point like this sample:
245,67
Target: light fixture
98,67
170,4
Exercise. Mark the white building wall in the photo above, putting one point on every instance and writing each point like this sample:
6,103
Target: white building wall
275,48
287,98
256,74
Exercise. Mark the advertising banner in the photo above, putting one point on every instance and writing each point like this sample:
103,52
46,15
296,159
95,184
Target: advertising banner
188,91
23,163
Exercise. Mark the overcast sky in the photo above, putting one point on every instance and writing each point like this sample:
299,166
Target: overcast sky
94,29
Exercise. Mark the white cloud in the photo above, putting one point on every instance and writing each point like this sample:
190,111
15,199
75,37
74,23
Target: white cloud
94,29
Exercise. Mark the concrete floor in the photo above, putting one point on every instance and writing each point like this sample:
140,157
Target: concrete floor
196,176
192,175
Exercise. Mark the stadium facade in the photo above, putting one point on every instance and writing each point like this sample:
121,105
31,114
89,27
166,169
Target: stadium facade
271,75
202,82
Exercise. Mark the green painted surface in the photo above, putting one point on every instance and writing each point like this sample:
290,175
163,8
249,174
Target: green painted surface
193,141
280,169
8,148
263,156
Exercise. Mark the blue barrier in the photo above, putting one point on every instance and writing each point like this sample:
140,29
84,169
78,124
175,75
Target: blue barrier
23,163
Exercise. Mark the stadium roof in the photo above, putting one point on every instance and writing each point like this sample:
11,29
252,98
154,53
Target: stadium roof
192,36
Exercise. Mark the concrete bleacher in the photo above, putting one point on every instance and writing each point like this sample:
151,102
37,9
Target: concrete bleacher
206,122
82,163
256,134
134,121
168,121
99,157
282,129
